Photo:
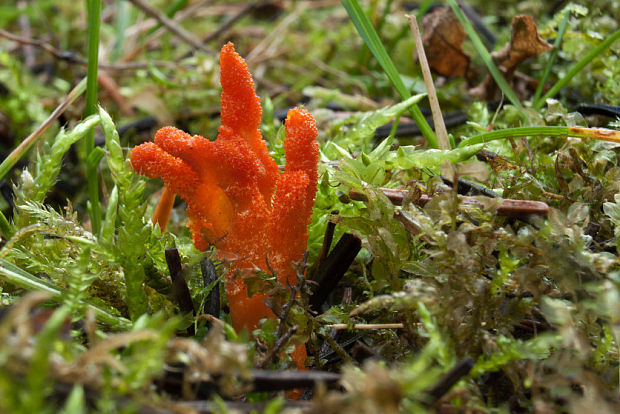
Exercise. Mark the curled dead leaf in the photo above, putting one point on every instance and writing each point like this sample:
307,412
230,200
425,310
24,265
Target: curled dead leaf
524,42
443,43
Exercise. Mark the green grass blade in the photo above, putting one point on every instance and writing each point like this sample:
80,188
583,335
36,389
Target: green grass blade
485,55
94,15
371,39
609,135
577,68
554,54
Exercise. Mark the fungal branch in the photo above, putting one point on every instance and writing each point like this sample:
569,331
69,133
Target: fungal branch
236,197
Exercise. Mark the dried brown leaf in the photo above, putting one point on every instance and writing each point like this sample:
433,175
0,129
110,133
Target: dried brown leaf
443,42
524,42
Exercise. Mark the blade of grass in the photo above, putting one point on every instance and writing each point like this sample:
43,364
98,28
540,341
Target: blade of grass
94,14
31,139
577,68
371,39
485,55
549,131
554,54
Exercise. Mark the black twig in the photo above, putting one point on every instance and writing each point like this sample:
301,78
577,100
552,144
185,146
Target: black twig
453,376
478,23
224,27
327,244
74,57
170,25
470,188
612,111
180,291
334,268
209,275
410,129
269,380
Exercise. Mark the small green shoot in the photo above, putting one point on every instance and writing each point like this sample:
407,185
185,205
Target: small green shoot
94,16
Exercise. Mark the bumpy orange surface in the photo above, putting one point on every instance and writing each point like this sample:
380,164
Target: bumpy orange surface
236,197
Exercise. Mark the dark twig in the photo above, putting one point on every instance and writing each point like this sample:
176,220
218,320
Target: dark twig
453,376
224,27
508,207
176,376
269,380
327,244
209,275
334,268
410,129
209,407
171,25
612,111
180,291
478,23
466,187
74,57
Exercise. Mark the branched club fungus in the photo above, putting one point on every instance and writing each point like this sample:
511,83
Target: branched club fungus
236,197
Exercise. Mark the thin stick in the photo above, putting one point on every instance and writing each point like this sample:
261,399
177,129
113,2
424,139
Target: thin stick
170,25
164,208
224,27
18,152
507,207
440,127
74,57
366,326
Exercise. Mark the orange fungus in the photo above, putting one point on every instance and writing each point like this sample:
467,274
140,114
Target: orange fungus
236,197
